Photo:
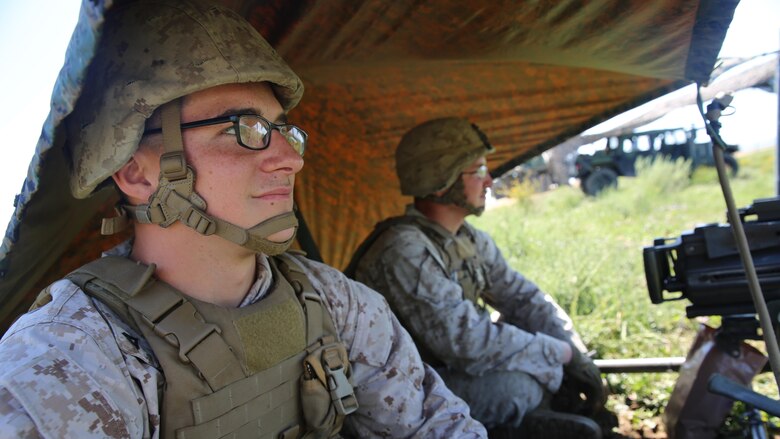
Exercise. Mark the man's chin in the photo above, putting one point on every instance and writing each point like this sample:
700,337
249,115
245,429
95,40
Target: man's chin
282,236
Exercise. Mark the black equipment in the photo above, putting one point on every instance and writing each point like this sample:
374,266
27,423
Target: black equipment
704,265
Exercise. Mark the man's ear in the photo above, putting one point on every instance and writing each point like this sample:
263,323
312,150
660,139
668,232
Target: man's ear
443,191
136,179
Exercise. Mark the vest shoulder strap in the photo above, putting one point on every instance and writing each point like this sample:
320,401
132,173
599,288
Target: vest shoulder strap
385,225
127,287
113,280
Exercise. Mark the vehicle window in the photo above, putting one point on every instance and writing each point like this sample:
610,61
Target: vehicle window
658,142
701,136
643,143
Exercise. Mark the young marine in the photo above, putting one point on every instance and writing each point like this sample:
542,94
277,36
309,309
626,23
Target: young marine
203,325
438,272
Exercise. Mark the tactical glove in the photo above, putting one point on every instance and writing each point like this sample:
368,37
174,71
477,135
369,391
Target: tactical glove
581,377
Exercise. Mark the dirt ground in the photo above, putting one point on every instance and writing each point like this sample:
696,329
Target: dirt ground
649,428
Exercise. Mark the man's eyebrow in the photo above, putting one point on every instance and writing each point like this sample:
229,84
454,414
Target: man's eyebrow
281,119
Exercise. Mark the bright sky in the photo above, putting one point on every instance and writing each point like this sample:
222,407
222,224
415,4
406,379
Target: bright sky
33,37
35,33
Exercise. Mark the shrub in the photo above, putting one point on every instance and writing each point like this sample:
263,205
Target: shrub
587,253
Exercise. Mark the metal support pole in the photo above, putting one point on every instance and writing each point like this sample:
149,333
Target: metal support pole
711,120
777,139
640,365
765,320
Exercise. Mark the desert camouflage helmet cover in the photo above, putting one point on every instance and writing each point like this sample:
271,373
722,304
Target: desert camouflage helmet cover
432,155
151,53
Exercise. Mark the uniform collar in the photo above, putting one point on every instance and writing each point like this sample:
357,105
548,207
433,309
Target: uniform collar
257,291
413,212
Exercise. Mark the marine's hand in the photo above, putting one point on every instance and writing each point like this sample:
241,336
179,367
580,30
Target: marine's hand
581,376
567,353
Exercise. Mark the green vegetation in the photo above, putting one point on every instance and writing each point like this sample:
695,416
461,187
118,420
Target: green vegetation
587,253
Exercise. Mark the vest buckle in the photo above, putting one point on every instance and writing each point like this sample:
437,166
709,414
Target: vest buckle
341,392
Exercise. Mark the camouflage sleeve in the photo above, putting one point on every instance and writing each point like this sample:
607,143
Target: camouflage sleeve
520,302
63,375
399,395
431,305
14,421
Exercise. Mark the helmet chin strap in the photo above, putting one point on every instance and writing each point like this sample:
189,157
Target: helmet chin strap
175,200
456,195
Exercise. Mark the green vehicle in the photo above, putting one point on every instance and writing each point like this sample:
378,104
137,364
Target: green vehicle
535,171
601,169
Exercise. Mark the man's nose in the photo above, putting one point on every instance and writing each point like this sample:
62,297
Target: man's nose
488,180
281,156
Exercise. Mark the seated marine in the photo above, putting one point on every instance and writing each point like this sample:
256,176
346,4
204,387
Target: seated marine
438,273
203,325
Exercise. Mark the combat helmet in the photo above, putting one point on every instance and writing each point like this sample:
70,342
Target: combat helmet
151,54
432,155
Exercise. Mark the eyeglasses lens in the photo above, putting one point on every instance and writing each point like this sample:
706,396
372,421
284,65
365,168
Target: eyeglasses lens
253,132
295,137
256,134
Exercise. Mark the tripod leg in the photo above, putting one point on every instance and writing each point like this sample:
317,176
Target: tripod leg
755,424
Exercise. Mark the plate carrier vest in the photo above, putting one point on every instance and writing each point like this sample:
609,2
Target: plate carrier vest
272,369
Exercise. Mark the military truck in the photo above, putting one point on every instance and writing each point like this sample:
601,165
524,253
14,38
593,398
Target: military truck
534,172
601,169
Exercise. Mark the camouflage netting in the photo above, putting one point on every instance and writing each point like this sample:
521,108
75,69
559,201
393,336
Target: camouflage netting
529,74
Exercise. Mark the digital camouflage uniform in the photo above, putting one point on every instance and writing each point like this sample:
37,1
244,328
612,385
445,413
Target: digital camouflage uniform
74,369
486,363
437,283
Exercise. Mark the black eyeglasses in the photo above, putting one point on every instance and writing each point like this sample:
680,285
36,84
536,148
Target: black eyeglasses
480,172
252,131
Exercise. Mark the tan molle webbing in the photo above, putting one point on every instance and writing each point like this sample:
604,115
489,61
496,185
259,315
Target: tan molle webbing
250,407
208,392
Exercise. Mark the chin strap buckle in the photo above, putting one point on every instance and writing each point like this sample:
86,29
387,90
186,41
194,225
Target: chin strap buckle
116,224
173,165
199,221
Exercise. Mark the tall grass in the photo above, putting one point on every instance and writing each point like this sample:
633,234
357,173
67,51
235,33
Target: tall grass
587,253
